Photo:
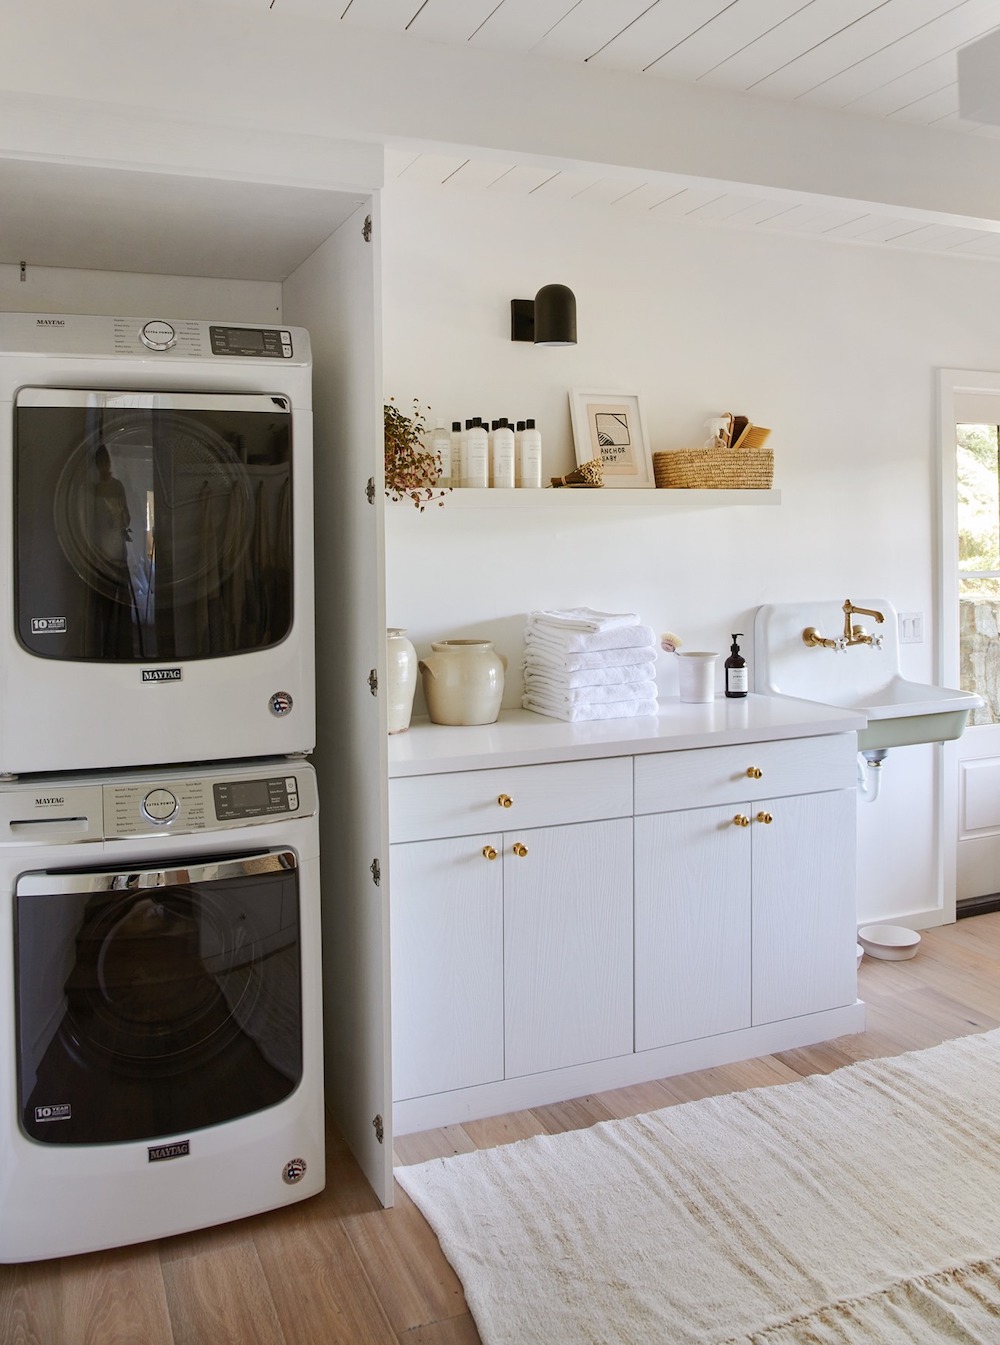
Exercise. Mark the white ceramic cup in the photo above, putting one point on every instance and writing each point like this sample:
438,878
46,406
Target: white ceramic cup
697,674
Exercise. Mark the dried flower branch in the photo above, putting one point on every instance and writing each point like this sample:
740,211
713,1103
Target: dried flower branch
411,473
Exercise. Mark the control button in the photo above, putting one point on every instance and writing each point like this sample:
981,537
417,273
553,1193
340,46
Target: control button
290,784
293,802
286,338
158,335
286,352
159,805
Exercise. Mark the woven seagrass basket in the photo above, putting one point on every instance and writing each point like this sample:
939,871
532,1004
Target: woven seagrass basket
714,469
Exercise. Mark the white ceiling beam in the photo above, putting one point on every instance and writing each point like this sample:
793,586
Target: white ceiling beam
317,79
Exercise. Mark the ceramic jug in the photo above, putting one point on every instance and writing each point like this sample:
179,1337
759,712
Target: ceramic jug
401,667
463,681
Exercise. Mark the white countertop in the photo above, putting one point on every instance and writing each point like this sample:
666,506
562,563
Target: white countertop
521,737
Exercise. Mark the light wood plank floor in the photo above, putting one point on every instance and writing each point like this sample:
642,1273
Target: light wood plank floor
339,1270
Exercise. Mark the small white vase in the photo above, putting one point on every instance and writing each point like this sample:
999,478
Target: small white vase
463,681
401,666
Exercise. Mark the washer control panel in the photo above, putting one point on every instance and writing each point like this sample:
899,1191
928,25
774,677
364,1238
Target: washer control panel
258,342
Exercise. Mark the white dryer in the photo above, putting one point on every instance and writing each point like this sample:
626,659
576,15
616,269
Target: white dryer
156,580
160,1008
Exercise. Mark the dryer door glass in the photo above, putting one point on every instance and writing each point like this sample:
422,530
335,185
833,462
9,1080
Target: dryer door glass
158,1002
151,526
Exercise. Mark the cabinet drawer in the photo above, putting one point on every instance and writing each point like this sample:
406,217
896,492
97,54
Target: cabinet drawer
466,802
668,780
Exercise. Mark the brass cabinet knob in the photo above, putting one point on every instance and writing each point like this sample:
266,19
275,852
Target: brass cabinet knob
741,820
764,817
754,772
505,800
489,852
520,850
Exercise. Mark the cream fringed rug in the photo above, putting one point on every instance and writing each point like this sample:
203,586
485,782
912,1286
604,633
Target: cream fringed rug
856,1208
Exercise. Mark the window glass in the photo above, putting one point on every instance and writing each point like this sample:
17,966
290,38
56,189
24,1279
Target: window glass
978,503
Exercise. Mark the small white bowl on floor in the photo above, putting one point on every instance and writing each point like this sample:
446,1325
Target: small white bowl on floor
892,943
861,953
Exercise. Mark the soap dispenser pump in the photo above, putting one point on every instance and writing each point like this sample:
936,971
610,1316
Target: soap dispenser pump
736,670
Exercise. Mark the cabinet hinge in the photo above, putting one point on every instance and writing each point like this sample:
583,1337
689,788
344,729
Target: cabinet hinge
366,230
370,490
379,1128
373,682
376,872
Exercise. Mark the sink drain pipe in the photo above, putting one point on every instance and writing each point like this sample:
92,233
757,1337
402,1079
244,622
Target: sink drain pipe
870,772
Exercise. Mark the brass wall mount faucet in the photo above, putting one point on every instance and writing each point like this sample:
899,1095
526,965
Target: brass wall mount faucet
852,635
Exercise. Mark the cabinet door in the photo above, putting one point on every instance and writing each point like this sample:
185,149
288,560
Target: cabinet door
447,965
692,926
567,945
804,916
335,293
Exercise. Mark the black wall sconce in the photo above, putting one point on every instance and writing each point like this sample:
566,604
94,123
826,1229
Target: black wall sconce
549,319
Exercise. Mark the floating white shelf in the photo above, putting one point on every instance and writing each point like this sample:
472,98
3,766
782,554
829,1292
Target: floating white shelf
576,498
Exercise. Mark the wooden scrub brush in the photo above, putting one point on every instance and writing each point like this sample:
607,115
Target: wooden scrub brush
587,474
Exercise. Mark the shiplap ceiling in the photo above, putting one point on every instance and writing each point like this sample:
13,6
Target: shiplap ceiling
893,59
878,58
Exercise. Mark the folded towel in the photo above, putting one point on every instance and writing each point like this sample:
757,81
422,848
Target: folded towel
551,675
578,641
580,713
544,694
596,660
582,618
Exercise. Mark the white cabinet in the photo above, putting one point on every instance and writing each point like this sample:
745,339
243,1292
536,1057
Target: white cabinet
692,923
570,926
447,965
511,951
804,917
744,910
567,945
743,915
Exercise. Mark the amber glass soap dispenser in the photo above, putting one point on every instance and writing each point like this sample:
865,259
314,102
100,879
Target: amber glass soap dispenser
736,670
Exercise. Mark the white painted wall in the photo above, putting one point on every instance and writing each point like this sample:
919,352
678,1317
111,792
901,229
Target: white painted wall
61,289
834,346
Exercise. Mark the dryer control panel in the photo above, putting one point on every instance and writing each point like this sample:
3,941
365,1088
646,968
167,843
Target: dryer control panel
152,339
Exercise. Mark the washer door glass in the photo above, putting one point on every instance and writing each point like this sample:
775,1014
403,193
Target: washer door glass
151,525
158,1002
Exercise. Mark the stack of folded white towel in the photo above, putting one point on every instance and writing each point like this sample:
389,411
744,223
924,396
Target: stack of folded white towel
580,664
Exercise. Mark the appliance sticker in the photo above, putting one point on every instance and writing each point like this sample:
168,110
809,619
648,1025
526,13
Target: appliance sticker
48,625
161,674
159,1153
57,1111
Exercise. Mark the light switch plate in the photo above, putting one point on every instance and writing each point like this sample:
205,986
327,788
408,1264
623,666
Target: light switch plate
911,627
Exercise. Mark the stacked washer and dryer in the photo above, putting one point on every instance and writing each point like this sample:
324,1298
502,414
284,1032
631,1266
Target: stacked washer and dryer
160,1014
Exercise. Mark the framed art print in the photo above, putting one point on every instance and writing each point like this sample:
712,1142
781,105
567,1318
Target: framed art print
609,426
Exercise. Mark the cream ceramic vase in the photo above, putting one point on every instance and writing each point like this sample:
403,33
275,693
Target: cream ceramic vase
463,681
401,666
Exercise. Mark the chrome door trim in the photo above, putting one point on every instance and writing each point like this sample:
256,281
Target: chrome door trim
150,399
52,883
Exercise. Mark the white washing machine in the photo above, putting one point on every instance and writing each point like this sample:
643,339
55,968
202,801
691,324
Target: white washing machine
160,1029
156,561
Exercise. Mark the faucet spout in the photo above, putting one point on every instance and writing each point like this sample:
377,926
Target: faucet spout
857,634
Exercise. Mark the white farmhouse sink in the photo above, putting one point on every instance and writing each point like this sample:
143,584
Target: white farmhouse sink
861,677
